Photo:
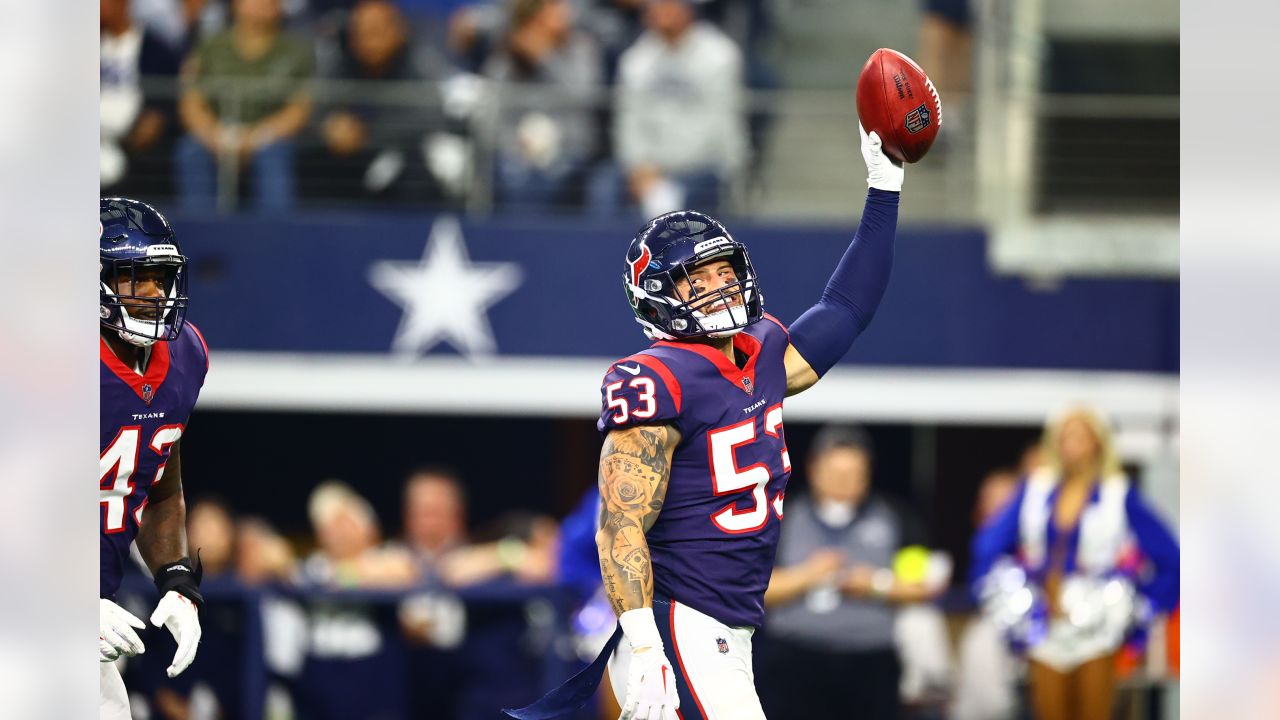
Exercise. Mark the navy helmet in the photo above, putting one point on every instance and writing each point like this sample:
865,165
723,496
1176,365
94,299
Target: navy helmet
137,246
663,253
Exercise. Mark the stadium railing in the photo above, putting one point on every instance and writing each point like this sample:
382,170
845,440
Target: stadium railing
1052,174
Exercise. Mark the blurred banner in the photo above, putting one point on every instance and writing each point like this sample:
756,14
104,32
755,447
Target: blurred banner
419,314
411,285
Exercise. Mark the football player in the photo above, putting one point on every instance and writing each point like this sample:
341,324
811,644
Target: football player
153,364
694,466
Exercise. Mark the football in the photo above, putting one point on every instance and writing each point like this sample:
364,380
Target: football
898,101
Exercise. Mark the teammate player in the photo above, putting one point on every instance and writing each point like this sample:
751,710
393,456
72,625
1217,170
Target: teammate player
153,364
694,465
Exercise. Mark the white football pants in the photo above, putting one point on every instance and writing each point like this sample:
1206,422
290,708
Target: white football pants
712,663
113,699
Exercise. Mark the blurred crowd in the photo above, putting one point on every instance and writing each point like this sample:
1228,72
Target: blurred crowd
1069,573
349,550
273,102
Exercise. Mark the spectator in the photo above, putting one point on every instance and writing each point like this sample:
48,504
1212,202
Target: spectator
547,132
263,556
830,626
986,672
181,23
435,515
245,100
211,530
946,48
373,146
946,44
521,546
350,552
679,132
997,489
1085,542
136,118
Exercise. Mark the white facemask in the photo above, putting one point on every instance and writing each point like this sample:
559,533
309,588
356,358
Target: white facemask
724,321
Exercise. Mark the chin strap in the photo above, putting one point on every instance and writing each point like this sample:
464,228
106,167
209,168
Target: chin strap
142,342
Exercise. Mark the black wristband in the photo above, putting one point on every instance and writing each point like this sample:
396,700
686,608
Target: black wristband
183,578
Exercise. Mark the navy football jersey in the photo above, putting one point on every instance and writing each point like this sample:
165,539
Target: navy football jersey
714,541
142,417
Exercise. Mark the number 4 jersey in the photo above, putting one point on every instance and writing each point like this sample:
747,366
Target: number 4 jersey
713,544
142,417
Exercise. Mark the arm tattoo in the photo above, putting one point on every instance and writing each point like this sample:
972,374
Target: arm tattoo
635,465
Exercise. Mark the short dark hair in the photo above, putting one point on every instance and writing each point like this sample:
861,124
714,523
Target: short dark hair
853,437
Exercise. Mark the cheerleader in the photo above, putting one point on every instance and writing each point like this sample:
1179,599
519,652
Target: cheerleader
1072,566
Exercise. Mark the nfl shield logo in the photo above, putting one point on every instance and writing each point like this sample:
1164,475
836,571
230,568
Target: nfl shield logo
722,646
747,385
147,393
918,119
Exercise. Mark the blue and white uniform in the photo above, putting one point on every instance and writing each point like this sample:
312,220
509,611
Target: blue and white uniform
1117,537
712,546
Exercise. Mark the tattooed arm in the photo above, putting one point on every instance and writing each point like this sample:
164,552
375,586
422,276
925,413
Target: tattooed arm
635,465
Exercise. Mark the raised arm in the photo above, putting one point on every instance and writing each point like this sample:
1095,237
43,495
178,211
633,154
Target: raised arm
635,465
824,333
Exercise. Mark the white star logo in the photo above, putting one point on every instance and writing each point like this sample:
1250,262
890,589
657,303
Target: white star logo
445,296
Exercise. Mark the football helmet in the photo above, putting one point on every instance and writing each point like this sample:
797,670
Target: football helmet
663,253
136,242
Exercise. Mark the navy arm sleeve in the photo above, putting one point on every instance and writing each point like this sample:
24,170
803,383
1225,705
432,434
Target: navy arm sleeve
824,333
1159,545
998,537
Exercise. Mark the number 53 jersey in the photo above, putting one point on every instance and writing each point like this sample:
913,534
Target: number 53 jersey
713,544
142,417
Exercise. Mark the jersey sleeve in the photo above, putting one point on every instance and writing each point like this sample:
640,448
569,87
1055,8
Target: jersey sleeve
202,351
639,390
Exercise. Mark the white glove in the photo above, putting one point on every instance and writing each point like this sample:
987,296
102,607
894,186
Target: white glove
116,635
883,173
179,614
651,683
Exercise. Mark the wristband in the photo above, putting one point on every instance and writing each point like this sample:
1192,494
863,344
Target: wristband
640,628
183,578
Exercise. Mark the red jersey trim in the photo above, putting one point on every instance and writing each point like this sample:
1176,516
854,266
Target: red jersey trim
778,322
664,372
157,368
203,344
743,342
688,679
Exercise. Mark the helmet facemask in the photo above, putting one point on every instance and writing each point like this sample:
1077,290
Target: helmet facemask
719,313
144,319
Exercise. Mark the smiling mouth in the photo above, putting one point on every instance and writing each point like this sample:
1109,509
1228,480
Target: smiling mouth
147,313
719,304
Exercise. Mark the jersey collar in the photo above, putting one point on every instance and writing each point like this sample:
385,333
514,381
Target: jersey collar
745,378
146,386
